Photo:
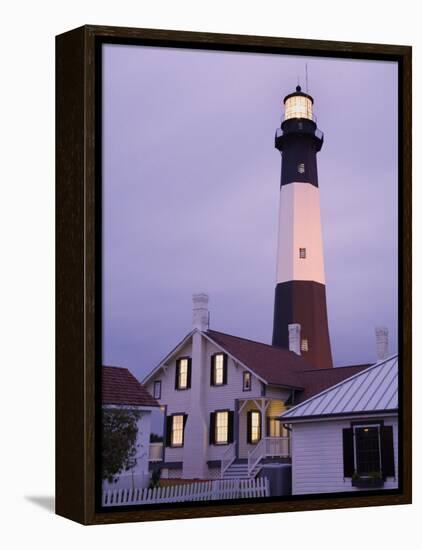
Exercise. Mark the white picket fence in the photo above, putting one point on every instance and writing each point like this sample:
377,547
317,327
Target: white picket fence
219,489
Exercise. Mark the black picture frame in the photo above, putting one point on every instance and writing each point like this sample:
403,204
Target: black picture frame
78,268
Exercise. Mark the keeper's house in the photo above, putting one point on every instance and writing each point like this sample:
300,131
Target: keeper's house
346,437
222,398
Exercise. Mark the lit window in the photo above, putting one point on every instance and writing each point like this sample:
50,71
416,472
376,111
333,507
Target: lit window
275,428
183,374
298,106
255,426
301,167
302,253
157,389
221,427
218,369
246,381
304,345
177,430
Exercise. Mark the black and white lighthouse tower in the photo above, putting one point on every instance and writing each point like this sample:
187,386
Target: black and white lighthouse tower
300,298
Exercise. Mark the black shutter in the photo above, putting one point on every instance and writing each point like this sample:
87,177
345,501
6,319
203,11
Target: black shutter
387,451
249,427
169,426
212,371
348,453
225,368
212,428
189,376
268,423
185,419
176,380
230,427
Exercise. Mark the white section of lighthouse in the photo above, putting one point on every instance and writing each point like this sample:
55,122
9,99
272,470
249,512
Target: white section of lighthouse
300,229
300,295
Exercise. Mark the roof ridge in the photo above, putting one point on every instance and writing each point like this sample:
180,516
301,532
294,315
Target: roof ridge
357,365
339,368
247,340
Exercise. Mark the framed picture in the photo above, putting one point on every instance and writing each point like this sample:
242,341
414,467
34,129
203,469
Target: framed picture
233,330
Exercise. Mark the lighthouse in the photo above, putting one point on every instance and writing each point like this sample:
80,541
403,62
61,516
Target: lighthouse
300,297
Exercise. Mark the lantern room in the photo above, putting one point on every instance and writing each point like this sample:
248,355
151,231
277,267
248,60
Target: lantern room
298,105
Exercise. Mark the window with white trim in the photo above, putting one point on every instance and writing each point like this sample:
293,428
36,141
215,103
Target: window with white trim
177,430
247,381
218,369
182,373
367,450
221,427
157,389
255,426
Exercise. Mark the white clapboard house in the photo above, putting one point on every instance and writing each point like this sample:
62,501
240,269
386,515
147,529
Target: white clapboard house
346,437
223,396
122,391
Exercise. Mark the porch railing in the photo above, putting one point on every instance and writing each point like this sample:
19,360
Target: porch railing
228,458
277,446
268,447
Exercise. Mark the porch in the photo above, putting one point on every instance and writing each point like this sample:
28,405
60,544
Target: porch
259,437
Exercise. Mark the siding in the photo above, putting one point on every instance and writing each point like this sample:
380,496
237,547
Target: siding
221,397
317,457
213,398
177,401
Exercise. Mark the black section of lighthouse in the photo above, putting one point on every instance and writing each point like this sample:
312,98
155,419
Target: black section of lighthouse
300,298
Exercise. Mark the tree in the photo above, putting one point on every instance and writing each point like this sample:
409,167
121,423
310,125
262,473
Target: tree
119,448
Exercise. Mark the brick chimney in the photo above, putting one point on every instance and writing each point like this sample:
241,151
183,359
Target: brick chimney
294,338
201,314
381,337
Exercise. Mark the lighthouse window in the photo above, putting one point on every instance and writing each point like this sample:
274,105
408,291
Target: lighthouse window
301,167
302,253
304,346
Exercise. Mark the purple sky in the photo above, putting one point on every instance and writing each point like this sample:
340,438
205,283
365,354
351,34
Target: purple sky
191,188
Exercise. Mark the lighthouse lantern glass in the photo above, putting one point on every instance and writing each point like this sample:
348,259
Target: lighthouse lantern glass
298,106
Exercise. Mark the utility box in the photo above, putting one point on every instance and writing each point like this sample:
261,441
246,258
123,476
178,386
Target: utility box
280,478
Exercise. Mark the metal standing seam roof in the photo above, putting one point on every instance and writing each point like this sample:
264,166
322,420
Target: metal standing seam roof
372,390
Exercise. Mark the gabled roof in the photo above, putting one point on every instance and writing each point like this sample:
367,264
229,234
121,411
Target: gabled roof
373,390
120,387
167,358
274,365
